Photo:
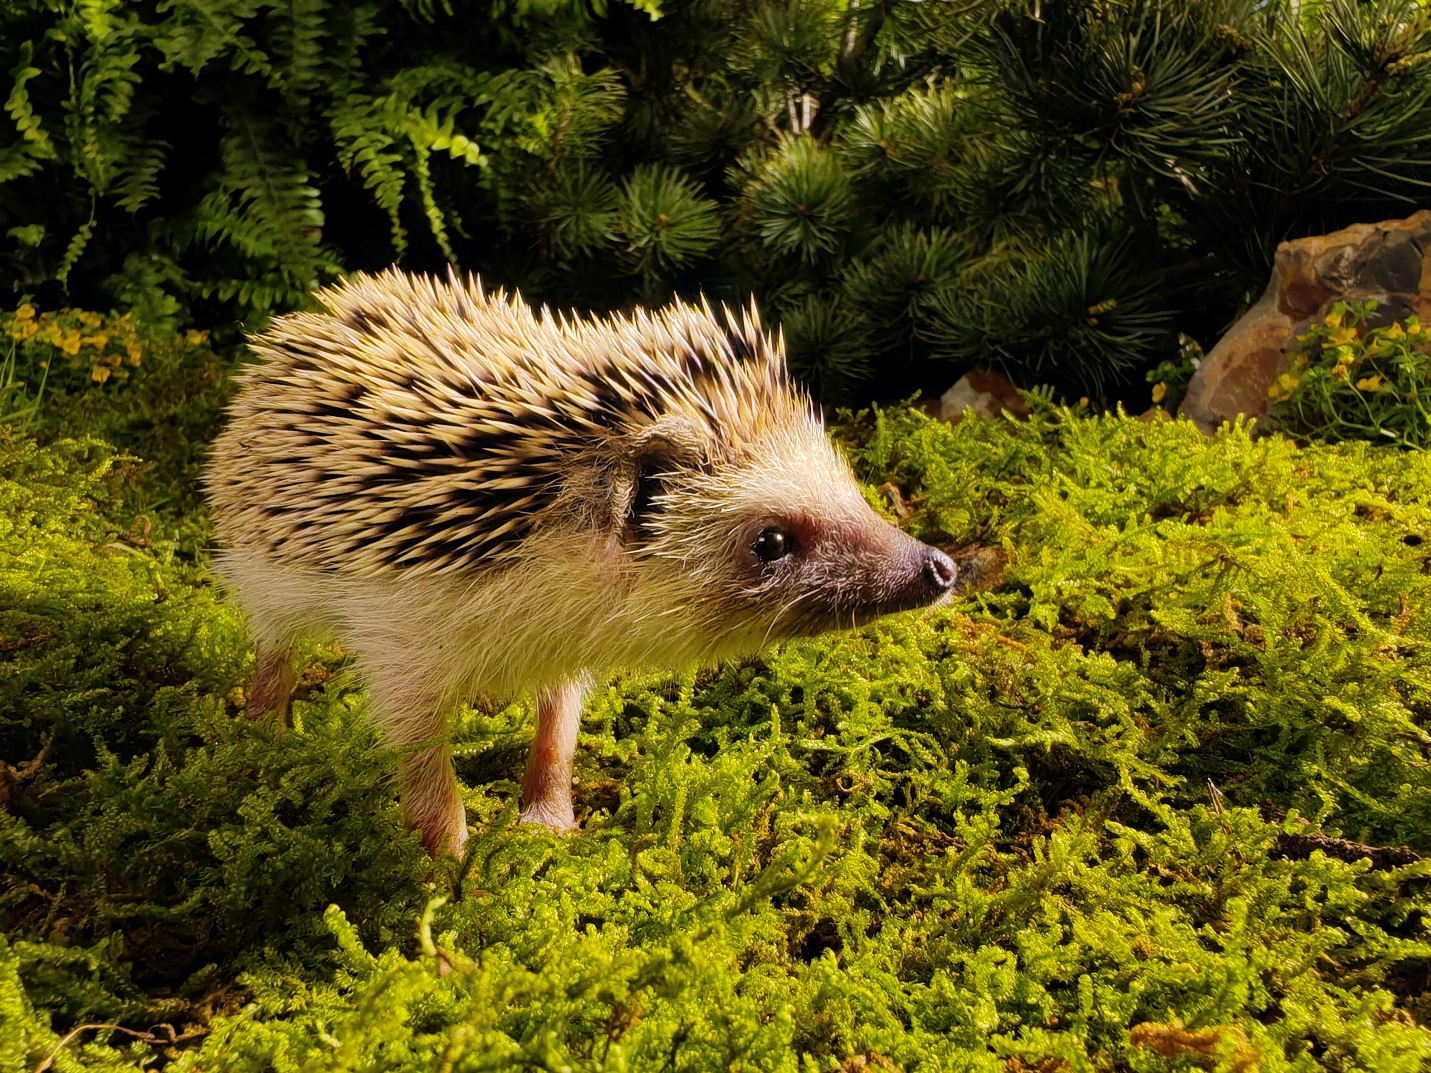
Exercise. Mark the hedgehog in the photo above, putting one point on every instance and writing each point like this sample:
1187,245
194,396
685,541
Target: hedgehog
477,499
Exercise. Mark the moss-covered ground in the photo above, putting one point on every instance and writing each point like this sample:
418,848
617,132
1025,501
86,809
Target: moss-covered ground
1153,800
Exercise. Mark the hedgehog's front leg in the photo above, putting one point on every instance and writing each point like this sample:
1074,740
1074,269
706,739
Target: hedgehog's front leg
546,787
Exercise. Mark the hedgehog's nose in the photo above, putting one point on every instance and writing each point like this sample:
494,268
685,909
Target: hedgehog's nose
939,570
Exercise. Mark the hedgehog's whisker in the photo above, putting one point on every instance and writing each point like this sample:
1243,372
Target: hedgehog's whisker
787,606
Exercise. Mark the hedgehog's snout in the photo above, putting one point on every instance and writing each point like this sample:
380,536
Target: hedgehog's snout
940,573
921,576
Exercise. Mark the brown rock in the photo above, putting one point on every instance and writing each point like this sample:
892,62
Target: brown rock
1389,261
986,393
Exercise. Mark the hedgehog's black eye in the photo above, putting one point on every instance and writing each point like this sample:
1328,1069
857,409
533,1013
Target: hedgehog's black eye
772,544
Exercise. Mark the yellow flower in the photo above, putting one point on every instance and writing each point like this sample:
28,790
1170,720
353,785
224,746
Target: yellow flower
1340,371
1341,336
25,312
99,340
69,342
1160,391
1283,387
135,354
1333,319
99,373
1369,383
89,320
1396,331
194,337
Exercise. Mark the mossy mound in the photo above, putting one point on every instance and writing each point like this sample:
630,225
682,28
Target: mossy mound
1155,801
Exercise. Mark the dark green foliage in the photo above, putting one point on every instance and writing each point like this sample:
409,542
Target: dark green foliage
1060,187
981,838
665,222
1074,316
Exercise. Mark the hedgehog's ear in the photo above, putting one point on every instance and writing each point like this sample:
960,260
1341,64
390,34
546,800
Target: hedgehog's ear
673,443
676,441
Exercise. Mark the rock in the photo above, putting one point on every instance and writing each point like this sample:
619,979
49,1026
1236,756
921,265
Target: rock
1389,261
986,393
981,568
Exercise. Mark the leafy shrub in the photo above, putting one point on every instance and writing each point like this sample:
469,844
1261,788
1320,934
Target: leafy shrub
1348,380
1057,186
141,387
981,838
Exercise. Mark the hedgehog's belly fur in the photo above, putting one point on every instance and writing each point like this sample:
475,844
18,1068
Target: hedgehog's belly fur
424,642
430,641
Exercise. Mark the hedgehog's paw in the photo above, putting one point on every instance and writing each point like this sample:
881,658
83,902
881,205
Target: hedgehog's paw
553,814
432,801
444,837
273,682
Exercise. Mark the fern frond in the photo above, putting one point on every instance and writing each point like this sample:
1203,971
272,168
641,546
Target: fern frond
363,129
423,174
17,161
102,92
36,141
137,176
197,32
76,248
299,32
265,206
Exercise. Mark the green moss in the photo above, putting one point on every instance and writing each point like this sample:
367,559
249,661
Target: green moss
974,839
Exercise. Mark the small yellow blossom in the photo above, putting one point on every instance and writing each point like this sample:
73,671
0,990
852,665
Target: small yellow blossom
99,373
1160,391
1396,331
89,320
1369,383
1333,319
99,340
1341,336
135,354
25,312
194,337
69,342
1341,372
1283,387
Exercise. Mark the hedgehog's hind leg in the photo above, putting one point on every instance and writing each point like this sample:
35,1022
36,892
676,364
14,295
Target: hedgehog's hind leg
273,681
546,786
412,715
